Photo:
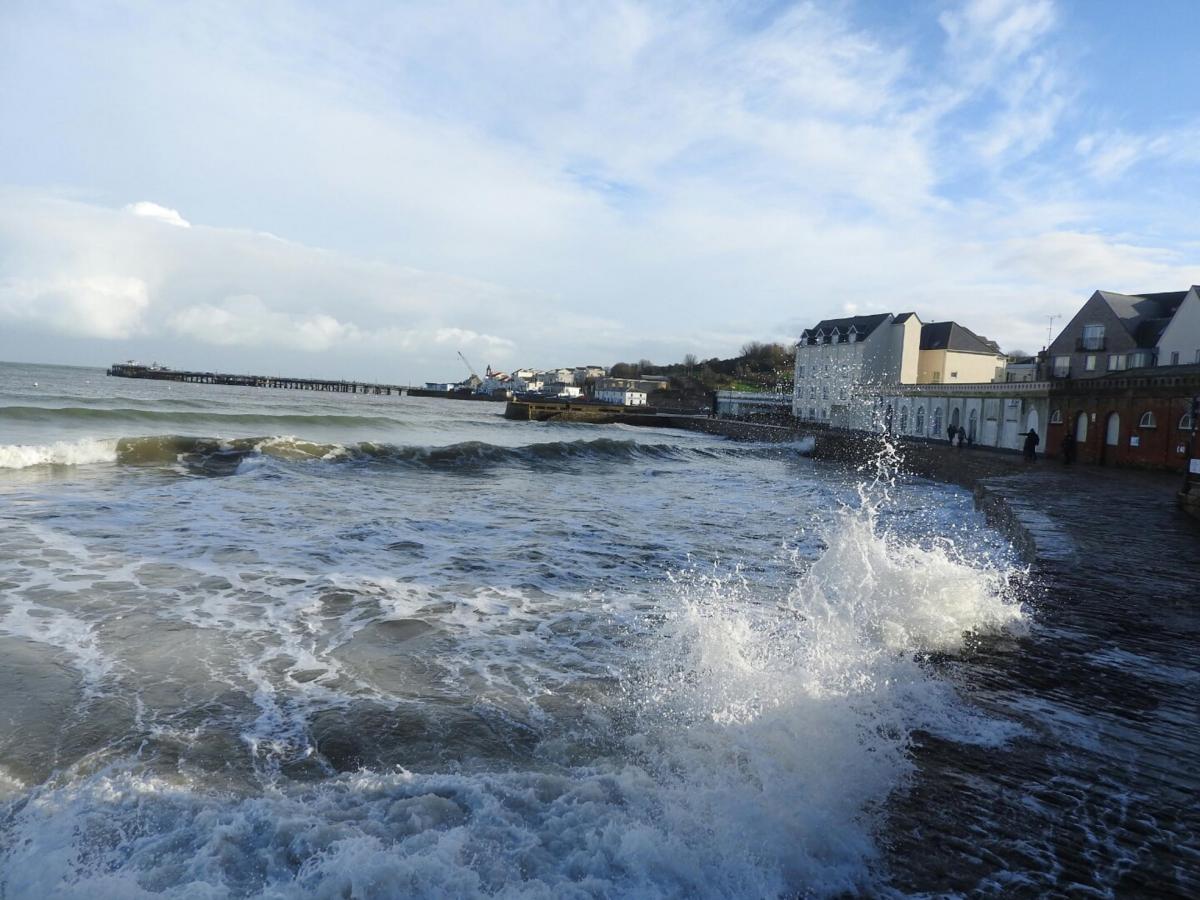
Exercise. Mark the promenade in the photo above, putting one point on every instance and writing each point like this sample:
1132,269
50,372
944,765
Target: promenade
1098,792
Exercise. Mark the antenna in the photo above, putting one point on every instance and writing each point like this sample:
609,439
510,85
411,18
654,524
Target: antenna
1050,328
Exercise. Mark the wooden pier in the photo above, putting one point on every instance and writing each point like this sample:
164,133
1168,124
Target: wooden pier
158,373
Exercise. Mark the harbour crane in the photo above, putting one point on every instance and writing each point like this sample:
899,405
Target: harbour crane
470,368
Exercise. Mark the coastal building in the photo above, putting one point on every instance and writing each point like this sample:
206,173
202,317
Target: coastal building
1021,369
1113,332
1180,341
993,414
647,384
584,374
951,353
753,405
621,397
840,362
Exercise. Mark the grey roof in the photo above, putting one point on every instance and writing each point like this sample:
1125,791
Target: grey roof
902,318
864,325
1144,316
952,336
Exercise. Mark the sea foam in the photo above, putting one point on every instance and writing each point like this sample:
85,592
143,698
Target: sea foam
60,453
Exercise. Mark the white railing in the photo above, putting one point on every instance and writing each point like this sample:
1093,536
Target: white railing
755,397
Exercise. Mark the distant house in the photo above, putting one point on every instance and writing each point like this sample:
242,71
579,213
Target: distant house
1180,341
588,373
648,385
1021,369
839,358
952,353
620,397
1113,332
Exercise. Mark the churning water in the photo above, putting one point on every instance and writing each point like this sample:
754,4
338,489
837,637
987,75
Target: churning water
263,643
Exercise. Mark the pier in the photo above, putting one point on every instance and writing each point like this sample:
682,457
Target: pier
158,373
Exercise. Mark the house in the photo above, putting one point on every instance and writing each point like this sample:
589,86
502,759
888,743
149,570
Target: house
1180,341
951,353
648,384
839,360
1113,332
621,397
584,374
1021,369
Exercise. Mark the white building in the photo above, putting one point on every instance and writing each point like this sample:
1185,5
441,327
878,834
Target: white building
993,415
584,374
621,397
1180,341
842,363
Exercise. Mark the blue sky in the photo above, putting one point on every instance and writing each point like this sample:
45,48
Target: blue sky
364,190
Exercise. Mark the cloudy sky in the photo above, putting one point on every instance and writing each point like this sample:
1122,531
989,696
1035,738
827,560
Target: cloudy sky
364,189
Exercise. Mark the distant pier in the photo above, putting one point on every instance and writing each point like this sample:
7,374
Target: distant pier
159,373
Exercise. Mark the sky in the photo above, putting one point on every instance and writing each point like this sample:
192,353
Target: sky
365,189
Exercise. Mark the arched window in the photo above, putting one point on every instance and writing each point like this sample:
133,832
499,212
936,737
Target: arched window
935,427
972,423
1185,422
919,425
1147,420
904,420
1056,417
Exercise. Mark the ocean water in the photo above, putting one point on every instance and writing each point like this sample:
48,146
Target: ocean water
269,643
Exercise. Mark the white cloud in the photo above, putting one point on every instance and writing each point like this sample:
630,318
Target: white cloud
608,180
91,305
148,210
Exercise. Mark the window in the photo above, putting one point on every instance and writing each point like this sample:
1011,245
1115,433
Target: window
1174,357
1185,422
824,392
935,427
1090,363
919,426
1062,366
1093,338
937,377
904,420
1147,420
1116,362
1056,417
1141,359
799,371
812,412
812,392
953,375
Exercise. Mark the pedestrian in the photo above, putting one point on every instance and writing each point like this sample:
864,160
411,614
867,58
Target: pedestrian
962,436
951,431
1031,442
1068,448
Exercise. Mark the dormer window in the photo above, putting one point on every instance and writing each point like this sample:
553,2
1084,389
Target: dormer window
853,334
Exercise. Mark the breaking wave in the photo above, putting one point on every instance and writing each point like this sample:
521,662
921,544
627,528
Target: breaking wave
60,453
217,454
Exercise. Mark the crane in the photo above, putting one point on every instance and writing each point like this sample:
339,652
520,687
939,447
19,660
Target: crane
470,368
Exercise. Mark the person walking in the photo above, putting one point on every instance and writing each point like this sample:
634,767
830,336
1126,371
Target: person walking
951,432
1068,448
1031,442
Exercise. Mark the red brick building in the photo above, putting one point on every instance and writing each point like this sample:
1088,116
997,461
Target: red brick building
1139,418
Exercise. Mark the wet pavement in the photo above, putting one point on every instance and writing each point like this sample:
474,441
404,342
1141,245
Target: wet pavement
1099,794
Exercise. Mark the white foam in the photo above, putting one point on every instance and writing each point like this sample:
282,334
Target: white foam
61,453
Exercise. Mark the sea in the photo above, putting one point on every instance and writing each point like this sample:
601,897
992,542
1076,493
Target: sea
275,643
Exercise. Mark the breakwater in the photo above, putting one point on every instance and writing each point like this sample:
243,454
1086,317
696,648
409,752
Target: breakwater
157,373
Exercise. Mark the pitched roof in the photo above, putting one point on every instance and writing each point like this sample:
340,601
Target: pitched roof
864,325
1144,316
903,317
952,336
